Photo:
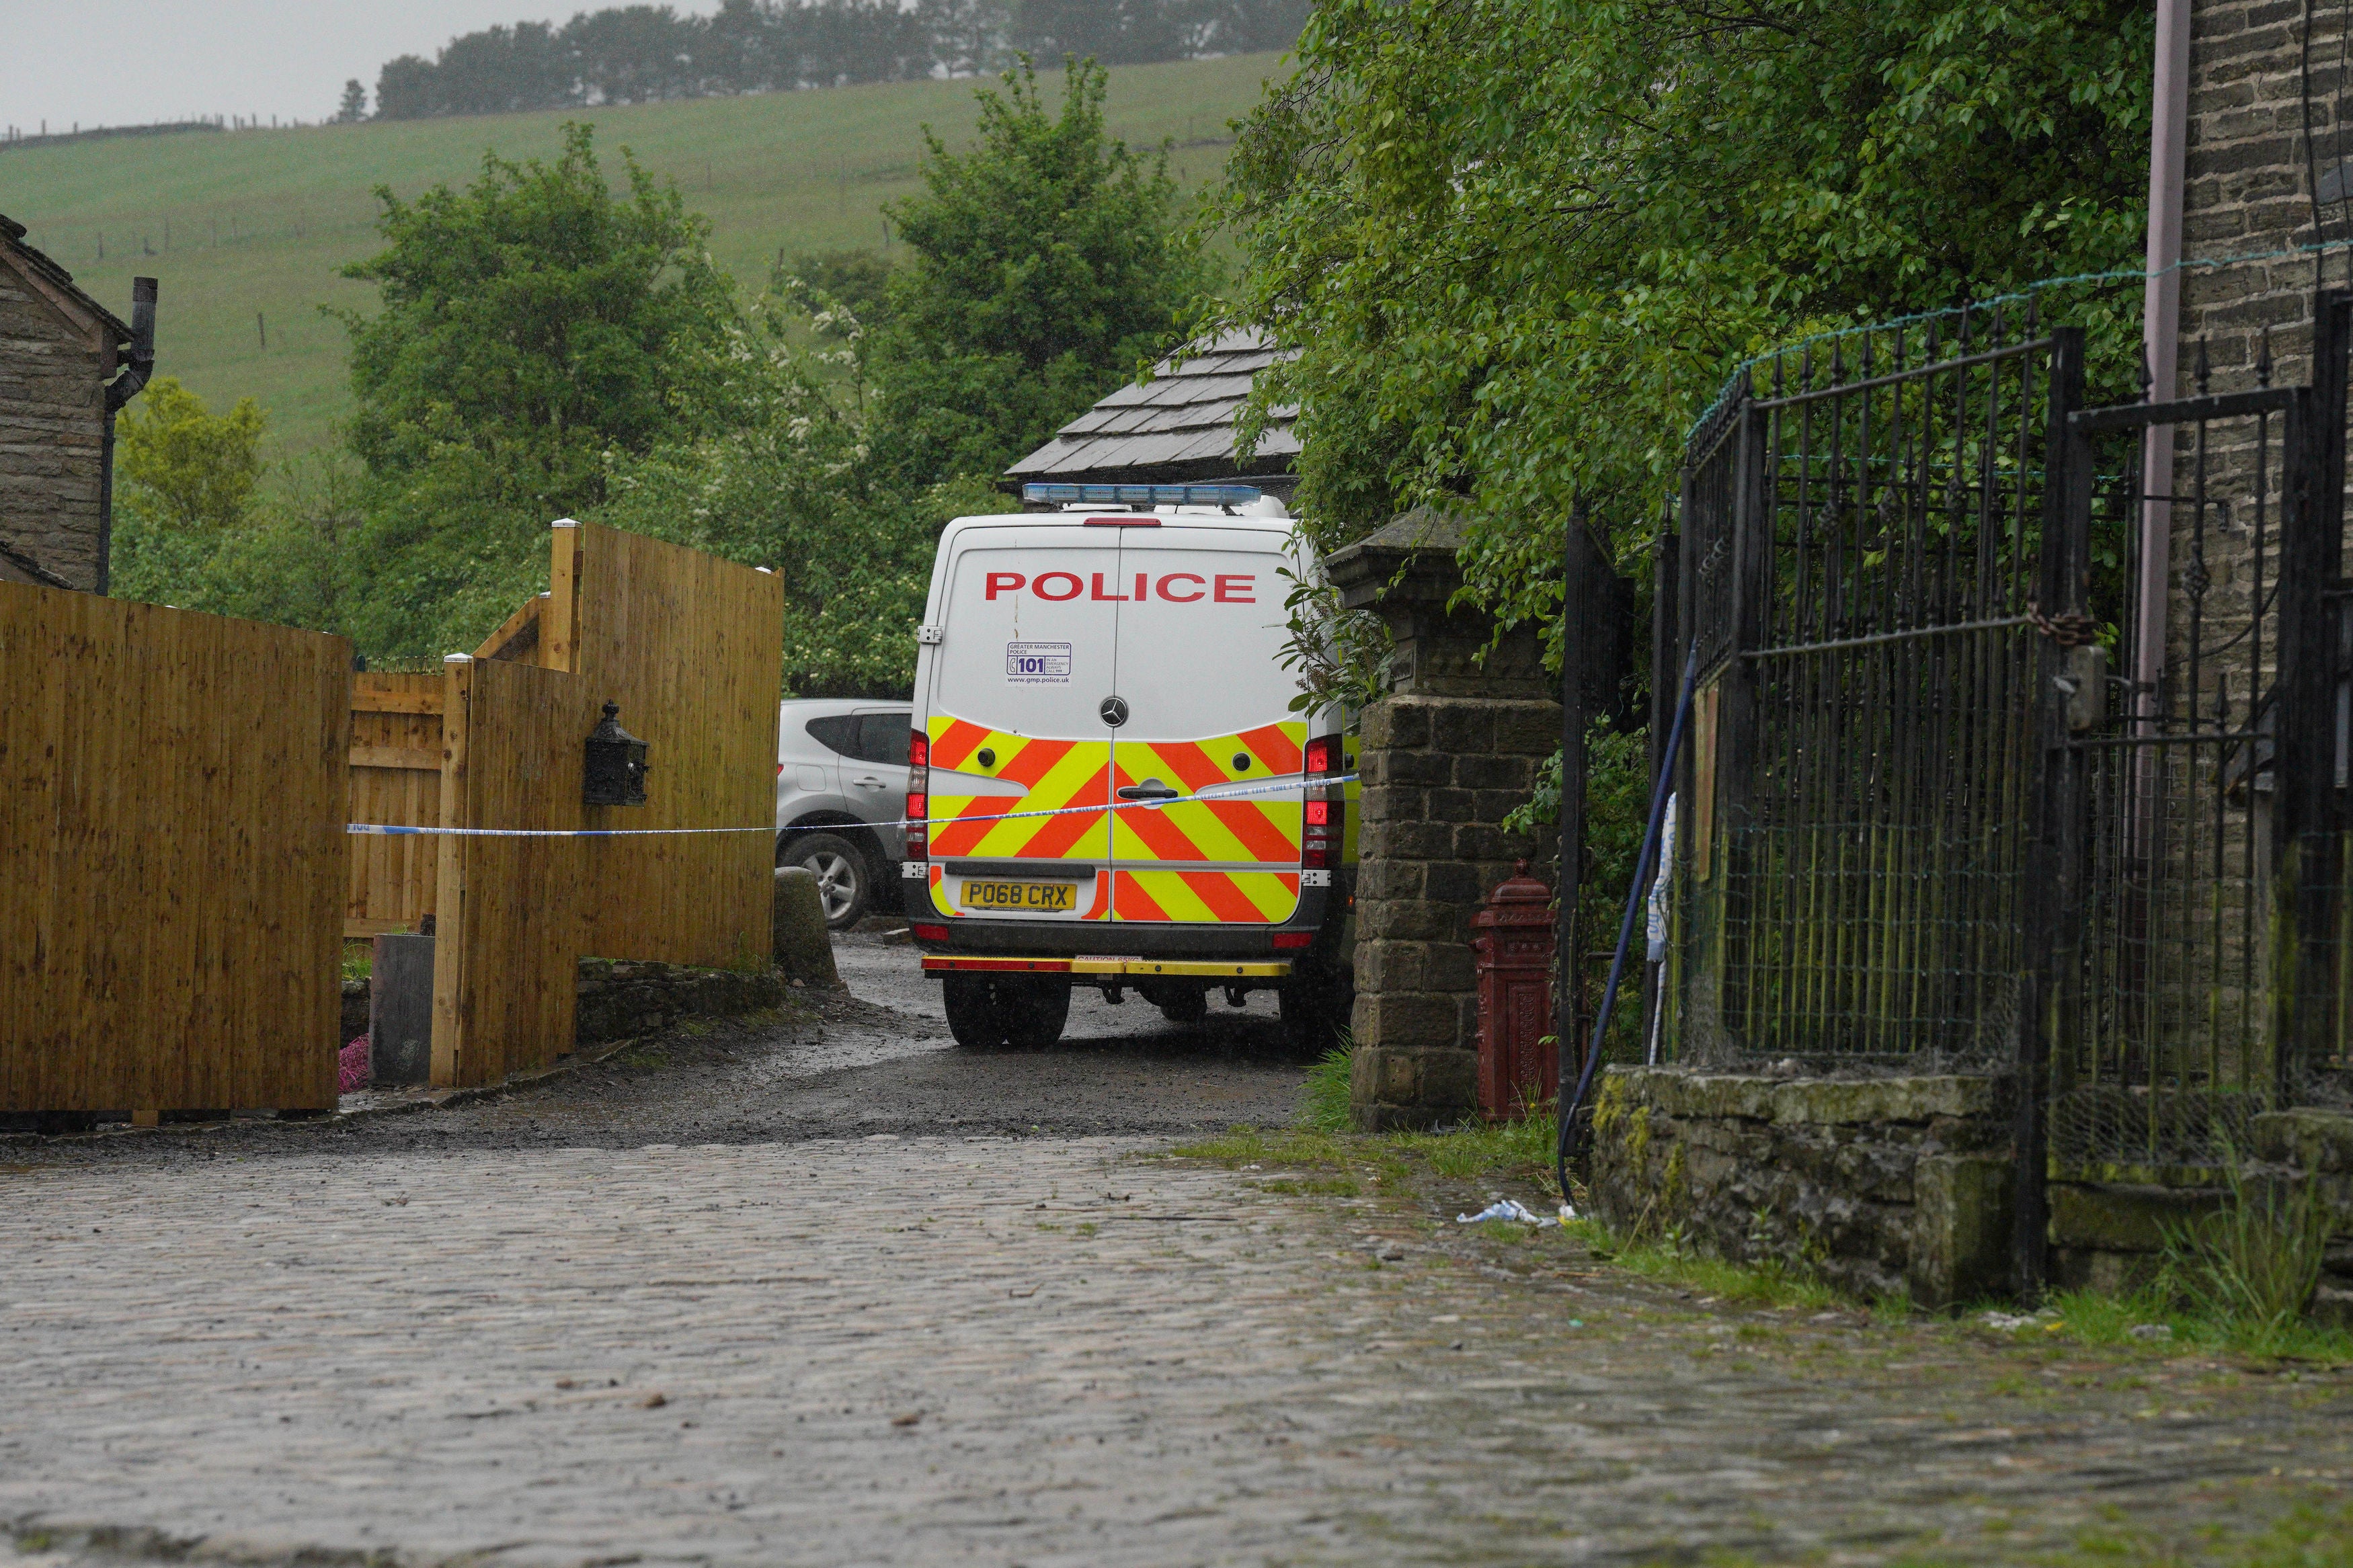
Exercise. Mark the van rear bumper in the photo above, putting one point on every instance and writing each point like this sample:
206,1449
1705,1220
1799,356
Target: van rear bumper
979,936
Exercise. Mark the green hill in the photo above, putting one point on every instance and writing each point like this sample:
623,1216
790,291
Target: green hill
246,229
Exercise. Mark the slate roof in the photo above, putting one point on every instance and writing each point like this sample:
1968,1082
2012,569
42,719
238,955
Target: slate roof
1176,427
12,234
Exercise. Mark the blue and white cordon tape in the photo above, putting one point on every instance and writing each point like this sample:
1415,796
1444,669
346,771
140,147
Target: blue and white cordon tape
1238,792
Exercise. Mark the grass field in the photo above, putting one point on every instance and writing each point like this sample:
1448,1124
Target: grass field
247,230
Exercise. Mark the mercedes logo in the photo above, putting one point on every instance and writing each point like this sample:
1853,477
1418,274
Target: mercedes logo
1113,711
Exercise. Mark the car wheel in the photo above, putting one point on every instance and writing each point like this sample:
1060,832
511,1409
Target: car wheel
844,885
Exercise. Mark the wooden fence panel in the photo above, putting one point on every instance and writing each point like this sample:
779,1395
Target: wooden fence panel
172,790
395,758
691,647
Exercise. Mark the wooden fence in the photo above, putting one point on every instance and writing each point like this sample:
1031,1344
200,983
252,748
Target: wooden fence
396,778
691,647
172,790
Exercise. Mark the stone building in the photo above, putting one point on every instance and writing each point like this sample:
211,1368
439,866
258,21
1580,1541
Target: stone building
67,365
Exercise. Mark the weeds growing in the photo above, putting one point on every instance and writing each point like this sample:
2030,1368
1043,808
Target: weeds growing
2254,1262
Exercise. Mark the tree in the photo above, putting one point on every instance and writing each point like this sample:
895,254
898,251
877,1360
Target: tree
404,88
1046,264
354,105
533,320
193,470
532,328
1520,243
193,529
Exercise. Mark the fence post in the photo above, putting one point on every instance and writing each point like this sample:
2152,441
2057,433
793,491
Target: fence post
2052,884
2304,850
1577,591
1666,677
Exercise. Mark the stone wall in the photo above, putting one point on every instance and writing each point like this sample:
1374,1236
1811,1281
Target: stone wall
1880,1185
1444,758
1440,774
621,1000
52,420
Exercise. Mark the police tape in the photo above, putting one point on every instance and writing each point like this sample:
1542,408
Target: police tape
1245,792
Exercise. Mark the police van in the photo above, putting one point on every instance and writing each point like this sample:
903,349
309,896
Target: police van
1108,784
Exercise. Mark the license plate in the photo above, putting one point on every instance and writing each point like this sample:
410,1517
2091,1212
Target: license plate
1041,898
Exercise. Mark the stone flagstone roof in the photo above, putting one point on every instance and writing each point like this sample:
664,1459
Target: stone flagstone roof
1176,427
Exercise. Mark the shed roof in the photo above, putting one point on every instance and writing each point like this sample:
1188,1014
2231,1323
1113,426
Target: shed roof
61,286
1179,425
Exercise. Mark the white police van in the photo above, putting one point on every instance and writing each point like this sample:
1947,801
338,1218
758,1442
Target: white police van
1109,785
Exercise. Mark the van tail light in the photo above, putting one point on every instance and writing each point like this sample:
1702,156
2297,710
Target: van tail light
1286,940
931,933
919,796
1319,845
1327,810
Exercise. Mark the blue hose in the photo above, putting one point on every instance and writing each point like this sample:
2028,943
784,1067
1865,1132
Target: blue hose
1645,869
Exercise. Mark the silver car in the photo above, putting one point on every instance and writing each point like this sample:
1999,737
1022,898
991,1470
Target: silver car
841,791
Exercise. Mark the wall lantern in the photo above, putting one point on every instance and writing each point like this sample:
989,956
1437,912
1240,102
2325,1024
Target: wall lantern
617,763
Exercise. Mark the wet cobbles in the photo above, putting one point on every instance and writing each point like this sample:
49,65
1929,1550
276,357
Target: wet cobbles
1009,1351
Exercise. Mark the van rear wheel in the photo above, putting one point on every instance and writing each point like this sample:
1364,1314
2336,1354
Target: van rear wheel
1189,1005
1316,1003
987,1013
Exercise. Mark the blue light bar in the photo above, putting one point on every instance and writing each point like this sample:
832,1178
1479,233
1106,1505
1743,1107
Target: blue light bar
1142,495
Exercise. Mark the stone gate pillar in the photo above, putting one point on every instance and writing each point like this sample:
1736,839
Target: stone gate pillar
1444,757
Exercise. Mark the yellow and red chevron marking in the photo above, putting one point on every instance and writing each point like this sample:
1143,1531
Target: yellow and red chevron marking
1053,774
1226,897
1263,831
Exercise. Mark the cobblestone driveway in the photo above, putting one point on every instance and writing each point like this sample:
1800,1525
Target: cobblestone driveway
913,1350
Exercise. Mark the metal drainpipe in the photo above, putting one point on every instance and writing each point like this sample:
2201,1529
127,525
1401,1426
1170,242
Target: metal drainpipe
120,391
2160,336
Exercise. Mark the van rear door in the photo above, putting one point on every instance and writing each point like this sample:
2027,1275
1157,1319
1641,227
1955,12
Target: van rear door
1200,667
1030,634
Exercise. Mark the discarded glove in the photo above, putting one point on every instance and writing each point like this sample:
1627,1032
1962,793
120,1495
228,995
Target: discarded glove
1505,1208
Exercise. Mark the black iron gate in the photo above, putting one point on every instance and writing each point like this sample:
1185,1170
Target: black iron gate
1864,526
2005,752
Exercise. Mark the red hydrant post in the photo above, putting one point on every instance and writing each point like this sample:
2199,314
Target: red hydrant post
1518,1057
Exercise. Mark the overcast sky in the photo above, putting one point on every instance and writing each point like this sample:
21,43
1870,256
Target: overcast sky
123,62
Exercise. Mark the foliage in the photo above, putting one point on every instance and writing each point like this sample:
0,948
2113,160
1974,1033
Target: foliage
353,108
533,326
189,469
634,54
532,321
285,559
786,482
2255,1261
1323,1099
1519,243
1046,266
846,287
